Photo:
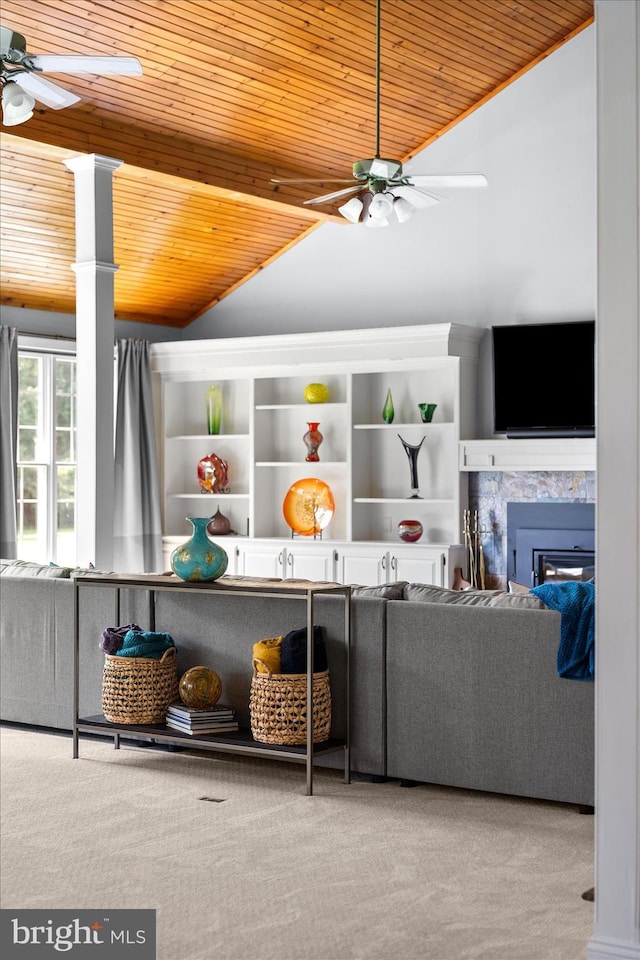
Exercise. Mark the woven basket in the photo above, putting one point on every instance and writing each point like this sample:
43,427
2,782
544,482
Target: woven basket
278,706
138,689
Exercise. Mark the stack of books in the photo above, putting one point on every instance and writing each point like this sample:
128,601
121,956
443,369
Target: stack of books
192,720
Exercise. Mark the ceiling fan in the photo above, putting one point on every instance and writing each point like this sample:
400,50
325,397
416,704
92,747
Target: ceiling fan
22,83
384,186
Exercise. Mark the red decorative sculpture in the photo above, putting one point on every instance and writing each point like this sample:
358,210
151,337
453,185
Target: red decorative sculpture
213,474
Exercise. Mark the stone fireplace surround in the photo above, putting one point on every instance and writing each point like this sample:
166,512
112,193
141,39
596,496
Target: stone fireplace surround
490,491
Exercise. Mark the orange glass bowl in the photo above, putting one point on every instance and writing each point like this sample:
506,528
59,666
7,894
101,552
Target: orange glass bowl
200,687
308,506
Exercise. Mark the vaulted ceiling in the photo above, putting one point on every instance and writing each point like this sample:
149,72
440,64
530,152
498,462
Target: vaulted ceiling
233,94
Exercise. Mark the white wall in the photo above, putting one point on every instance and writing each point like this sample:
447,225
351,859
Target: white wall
524,249
617,803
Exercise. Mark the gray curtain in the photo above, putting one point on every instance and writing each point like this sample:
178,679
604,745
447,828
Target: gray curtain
8,440
137,542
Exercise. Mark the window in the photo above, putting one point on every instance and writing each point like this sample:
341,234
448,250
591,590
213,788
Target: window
46,490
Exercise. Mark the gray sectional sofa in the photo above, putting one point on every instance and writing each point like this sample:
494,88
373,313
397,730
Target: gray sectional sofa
444,690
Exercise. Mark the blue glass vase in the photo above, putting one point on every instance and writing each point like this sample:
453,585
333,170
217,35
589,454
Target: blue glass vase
199,558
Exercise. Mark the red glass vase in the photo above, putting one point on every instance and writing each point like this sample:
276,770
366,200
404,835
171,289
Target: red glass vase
312,438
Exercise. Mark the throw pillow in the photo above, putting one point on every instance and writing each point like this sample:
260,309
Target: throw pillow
26,568
515,587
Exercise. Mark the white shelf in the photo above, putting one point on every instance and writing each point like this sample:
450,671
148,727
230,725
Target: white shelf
212,437
400,426
209,496
307,464
309,407
416,501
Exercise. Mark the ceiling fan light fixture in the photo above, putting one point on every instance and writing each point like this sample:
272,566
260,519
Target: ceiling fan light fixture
17,106
352,209
381,206
403,209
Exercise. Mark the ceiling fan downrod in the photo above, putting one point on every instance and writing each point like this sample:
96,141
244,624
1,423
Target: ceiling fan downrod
378,16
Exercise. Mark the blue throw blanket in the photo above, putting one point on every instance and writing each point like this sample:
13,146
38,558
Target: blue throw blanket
576,603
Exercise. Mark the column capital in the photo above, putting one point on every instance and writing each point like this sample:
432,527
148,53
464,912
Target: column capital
92,161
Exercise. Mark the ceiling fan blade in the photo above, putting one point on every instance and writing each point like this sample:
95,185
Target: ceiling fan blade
337,193
43,90
318,180
446,179
85,64
417,198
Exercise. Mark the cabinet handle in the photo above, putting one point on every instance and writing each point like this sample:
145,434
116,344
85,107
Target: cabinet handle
384,563
393,563
290,559
281,557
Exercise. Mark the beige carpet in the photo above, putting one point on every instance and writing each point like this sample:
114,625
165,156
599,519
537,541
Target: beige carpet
362,871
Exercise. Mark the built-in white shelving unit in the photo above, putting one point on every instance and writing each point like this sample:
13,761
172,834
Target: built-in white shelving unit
362,458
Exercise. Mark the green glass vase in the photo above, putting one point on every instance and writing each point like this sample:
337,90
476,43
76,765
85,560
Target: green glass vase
388,413
214,409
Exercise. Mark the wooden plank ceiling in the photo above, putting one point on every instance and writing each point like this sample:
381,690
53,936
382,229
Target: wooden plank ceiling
235,92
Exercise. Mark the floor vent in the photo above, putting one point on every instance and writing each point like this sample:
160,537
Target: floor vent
213,799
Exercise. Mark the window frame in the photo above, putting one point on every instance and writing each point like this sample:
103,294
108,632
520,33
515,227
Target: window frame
48,351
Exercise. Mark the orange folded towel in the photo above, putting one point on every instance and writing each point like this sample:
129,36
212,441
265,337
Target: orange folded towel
268,651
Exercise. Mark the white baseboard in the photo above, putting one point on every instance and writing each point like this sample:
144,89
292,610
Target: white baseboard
604,948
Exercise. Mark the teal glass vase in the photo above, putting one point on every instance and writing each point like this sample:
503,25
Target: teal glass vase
199,558
388,413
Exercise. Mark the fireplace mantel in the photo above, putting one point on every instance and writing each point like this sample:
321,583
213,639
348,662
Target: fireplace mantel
530,454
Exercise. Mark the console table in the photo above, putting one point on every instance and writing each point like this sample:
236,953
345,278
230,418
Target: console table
240,742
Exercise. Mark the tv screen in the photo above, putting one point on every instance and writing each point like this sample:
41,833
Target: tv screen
544,379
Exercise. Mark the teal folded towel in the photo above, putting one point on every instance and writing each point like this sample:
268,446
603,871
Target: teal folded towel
145,643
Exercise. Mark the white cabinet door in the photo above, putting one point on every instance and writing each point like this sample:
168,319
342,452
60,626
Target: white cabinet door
261,560
424,567
312,562
362,564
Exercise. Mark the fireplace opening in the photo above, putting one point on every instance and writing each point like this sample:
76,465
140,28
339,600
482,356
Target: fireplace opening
550,542
557,566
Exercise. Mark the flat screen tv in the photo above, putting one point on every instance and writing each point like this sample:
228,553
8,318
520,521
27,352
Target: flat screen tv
544,379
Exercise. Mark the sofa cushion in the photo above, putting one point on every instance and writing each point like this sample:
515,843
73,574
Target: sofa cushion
388,591
425,593
26,568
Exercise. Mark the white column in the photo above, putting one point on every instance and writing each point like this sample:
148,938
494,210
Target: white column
95,333
617,880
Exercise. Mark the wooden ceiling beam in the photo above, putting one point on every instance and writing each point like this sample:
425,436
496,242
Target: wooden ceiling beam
227,175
